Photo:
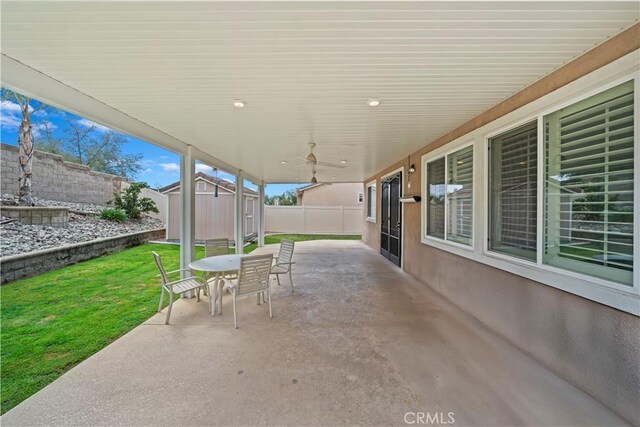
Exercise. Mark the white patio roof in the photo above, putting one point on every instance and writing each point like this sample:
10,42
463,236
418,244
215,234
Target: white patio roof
170,71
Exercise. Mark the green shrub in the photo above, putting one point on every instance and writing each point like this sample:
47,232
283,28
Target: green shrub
116,215
131,202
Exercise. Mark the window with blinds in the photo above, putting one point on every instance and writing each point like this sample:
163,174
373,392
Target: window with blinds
589,173
450,197
459,197
435,198
513,192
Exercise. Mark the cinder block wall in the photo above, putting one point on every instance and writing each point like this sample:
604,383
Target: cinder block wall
56,179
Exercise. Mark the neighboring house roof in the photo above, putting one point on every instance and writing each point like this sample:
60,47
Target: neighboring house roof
201,176
309,187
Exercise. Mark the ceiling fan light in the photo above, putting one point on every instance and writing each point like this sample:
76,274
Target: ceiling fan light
373,102
343,161
239,103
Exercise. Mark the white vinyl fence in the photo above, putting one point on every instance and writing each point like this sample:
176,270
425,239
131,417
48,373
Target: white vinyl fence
313,219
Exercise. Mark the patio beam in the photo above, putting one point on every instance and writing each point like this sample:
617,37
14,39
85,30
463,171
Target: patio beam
261,219
239,210
28,81
187,202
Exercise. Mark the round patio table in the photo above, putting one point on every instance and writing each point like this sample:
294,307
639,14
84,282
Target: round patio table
217,266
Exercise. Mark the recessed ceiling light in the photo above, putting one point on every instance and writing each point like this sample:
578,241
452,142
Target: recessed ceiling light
373,102
343,161
333,177
238,103
283,162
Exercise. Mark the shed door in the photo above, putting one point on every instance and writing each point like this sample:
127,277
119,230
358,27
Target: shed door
249,214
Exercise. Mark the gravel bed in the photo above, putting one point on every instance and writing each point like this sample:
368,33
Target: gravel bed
10,199
17,238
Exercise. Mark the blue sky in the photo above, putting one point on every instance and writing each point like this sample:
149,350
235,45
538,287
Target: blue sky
160,167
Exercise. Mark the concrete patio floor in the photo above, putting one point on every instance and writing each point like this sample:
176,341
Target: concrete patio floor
359,342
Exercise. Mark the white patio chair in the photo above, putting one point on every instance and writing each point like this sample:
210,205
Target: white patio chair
177,286
214,247
282,263
253,278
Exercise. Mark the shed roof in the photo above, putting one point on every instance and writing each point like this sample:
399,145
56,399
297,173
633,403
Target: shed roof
227,185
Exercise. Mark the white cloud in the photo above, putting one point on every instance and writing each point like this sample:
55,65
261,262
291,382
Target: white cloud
10,114
200,167
89,123
8,107
9,120
170,167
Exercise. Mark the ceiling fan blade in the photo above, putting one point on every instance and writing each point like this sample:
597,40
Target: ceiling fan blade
331,165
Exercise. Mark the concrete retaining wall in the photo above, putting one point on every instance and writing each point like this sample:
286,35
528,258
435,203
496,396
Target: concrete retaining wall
56,179
15,267
38,215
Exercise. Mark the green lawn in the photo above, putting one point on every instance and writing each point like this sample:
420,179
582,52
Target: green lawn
50,323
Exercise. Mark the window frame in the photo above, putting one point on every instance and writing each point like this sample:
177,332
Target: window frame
431,157
614,294
369,201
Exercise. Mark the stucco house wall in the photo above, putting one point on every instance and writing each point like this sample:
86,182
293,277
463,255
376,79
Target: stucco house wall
594,346
328,194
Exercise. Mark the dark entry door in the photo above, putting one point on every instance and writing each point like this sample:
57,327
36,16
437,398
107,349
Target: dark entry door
391,217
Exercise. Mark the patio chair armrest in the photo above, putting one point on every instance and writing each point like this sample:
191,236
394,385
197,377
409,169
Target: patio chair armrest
284,263
178,271
175,282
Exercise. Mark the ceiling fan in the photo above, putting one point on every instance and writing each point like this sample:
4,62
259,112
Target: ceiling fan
312,160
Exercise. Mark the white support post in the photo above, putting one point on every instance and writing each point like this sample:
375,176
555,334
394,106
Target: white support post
188,203
240,214
261,218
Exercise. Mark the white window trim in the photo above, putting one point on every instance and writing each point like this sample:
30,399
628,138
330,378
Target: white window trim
436,155
371,218
613,294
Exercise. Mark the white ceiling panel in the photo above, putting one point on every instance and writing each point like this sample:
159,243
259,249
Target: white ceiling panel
305,69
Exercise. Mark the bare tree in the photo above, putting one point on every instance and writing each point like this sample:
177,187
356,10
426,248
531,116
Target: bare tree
101,150
25,143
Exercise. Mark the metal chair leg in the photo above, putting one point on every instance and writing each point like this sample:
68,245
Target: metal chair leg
291,280
166,322
235,318
211,303
161,299
278,278
270,311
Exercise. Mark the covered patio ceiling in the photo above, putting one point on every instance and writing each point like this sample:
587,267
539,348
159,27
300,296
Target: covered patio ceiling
304,69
